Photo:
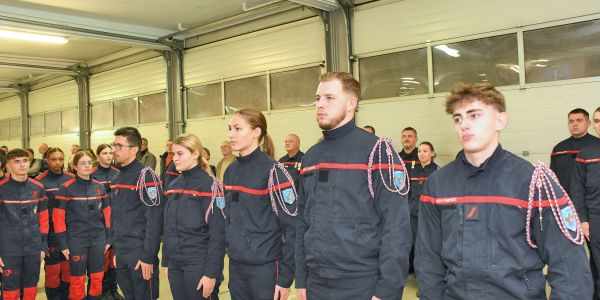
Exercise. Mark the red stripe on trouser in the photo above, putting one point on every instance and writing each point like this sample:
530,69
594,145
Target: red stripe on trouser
77,289
96,284
52,275
11,295
29,293
65,271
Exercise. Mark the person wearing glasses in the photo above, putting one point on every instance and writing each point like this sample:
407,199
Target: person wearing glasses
104,173
137,218
56,266
81,222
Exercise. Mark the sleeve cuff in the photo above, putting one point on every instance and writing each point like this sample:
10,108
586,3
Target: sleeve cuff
148,259
387,293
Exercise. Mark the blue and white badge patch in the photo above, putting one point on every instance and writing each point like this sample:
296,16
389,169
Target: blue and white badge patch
220,201
152,192
568,217
288,196
399,179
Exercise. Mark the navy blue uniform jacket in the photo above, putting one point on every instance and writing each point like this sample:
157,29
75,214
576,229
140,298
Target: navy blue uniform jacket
342,231
562,158
585,184
52,182
471,242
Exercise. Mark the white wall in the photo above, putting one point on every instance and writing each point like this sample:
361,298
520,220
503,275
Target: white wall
53,98
10,108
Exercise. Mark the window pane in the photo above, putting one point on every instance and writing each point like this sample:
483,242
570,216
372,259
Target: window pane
204,101
153,108
4,131
562,52
125,112
395,74
294,88
102,116
247,92
70,120
15,128
52,121
36,125
492,59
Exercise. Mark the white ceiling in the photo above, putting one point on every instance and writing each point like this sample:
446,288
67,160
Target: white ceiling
91,27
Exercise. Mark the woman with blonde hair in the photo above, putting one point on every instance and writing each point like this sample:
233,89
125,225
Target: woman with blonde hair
194,229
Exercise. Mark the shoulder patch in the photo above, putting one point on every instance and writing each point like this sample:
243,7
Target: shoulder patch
399,179
152,192
220,201
568,217
288,196
36,182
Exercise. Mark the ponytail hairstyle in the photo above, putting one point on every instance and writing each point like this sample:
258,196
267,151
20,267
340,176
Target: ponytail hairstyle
257,120
192,143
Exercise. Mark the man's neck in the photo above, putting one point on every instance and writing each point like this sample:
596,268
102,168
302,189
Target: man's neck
409,150
229,156
579,136
478,158
20,178
293,153
127,163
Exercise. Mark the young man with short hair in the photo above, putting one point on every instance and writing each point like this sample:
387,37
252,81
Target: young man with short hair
585,191
23,229
136,219
472,242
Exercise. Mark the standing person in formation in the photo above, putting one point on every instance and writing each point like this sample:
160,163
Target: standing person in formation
226,161
418,177
166,159
293,159
260,202
409,152
488,221
137,219
105,173
353,231
145,156
56,266
81,223
585,191
194,229
23,229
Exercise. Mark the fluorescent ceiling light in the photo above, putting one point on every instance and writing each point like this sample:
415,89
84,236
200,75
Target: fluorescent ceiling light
448,50
328,5
32,37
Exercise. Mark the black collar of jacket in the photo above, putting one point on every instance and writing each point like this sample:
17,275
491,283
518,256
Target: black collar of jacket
135,162
488,163
55,175
193,171
340,131
251,156
83,180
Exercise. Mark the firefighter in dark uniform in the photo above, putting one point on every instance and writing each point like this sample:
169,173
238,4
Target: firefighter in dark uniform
585,192
418,177
259,210
136,220
105,173
409,153
23,229
81,223
293,159
353,234
194,229
486,227
562,158
56,267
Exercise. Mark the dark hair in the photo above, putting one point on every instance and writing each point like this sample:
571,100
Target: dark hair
16,153
3,161
256,119
410,129
370,127
134,138
206,150
471,92
145,140
101,148
580,111
79,155
52,150
30,151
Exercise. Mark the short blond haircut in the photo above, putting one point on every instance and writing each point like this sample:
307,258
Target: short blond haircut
349,83
464,93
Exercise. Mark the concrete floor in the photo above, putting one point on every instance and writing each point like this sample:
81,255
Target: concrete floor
165,293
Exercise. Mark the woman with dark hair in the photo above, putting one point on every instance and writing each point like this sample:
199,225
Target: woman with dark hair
56,267
260,205
81,222
194,226
105,172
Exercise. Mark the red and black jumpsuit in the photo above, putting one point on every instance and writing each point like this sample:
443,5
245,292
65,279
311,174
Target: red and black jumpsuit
194,234
105,176
260,243
56,266
24,234
81,222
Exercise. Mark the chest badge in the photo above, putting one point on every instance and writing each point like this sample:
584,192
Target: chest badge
97,191
471,212
220,201
115,191
399,179
288,196
152,193
568,217
34,193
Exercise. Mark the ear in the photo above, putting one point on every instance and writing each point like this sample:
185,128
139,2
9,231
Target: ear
501,121
256,132
352,104
195,154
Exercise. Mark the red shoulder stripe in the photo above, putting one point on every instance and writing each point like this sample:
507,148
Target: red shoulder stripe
35,182
69,182
42,175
